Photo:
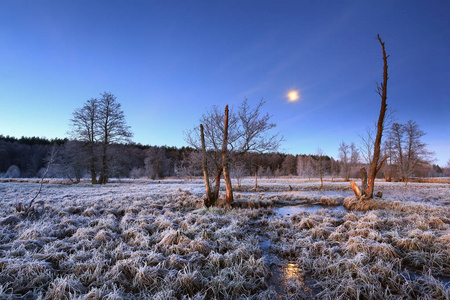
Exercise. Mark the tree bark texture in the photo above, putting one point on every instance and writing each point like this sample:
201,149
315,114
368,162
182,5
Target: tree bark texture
92,164
363,178
226,174
217,185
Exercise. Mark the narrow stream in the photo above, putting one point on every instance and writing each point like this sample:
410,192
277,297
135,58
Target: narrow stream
289,210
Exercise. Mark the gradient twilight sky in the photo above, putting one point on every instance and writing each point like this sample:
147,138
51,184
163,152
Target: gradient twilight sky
168,61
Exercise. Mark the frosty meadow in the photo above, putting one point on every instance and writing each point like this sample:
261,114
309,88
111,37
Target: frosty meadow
145,239
224,214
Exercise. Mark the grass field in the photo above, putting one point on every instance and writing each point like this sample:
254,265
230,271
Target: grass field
155,240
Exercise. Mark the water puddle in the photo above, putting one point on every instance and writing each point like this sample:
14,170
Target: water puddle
287,278
310,208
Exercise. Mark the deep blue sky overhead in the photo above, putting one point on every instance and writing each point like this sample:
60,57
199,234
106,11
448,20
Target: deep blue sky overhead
168,61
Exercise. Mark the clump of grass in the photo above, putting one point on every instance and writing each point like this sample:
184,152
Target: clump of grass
356,203
409,244
189,281
437,262
437,223
200,245
365,233
137,237
147,277
356,244
307,223
91,212
329,201
320,233
64,288
428,287
94,294
445,239
30,233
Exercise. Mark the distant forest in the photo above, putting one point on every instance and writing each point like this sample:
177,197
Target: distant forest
26,157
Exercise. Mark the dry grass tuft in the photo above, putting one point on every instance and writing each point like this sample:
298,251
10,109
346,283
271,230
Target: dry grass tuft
408,244
357,244
330,201
445,239
64,288
437,223
356,203
148,277
103,236
200,245
91,212
307,223
320,233
169,237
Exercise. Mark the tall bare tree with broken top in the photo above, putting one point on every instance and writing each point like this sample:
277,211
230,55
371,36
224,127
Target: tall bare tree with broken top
376,163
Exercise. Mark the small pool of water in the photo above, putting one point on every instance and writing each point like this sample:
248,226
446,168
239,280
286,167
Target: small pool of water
310,208
287,278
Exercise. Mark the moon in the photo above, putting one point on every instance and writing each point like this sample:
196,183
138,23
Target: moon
293,96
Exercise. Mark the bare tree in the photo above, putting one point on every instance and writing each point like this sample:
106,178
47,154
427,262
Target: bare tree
410,151
354,156
25,210
320,166
72,159
389,154
248,131
310,166
112,129
376,164
447,169
367,144
156,163
344,157
334,168
190,164
349,157
100,122
85,129
238,172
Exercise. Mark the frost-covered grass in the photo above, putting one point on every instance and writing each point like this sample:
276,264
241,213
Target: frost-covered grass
154,240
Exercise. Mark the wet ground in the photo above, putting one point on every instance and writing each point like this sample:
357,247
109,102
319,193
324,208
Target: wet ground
287,278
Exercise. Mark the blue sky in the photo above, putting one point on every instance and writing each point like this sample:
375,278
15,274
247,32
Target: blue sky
168,61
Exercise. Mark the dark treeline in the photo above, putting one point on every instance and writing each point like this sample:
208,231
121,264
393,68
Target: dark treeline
26,158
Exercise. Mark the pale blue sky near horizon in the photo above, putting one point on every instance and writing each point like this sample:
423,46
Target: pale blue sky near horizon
169,61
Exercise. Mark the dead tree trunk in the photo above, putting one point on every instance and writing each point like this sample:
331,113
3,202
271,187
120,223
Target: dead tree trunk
209,197
217,185
382,91
363,178
226,174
